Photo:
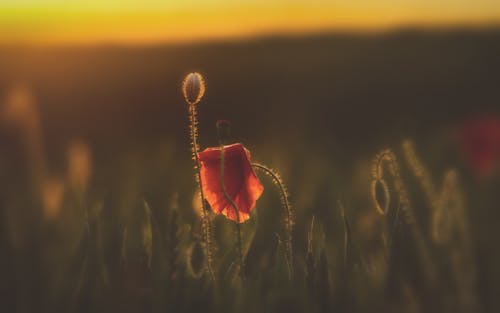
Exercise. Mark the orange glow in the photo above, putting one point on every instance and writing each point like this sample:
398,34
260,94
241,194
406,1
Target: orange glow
79,165
129,21
52,197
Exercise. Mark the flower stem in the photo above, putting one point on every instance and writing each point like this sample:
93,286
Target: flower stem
233,204
206,224
289,221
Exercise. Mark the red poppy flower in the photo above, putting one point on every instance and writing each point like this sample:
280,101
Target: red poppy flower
241,183
480,144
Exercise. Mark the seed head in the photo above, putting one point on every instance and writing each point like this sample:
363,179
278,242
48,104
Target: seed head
193,88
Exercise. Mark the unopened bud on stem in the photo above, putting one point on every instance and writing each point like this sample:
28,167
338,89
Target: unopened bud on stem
193,88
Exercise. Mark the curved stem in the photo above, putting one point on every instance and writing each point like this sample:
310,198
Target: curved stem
405,206
286,203
206,225
233,204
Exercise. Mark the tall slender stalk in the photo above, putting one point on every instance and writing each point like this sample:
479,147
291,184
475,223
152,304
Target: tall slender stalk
347,236
206,224
420,172
289,221
239,247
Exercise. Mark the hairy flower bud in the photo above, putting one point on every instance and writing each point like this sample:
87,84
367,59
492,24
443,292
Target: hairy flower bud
193,88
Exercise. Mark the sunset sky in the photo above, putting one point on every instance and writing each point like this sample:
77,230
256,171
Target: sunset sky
138,21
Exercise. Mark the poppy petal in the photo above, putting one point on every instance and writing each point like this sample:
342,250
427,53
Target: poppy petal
241,183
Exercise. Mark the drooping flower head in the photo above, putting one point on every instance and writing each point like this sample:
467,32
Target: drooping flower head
241,183
480,144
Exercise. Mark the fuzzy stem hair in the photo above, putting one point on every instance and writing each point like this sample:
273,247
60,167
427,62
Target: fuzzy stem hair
285,202
206,224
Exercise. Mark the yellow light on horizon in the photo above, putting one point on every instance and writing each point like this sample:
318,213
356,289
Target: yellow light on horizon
132,21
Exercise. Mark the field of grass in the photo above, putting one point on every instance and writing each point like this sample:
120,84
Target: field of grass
99,206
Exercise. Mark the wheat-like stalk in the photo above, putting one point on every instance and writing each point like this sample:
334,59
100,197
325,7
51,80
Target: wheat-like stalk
461,249
419,171
347,236
387,159
440,200
147,233
310,261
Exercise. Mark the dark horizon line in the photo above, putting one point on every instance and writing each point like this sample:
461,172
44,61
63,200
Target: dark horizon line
408,29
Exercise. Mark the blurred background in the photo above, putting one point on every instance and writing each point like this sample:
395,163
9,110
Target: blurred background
93,122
